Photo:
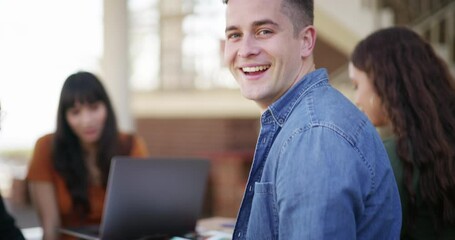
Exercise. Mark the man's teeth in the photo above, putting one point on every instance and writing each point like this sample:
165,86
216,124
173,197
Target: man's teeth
254,69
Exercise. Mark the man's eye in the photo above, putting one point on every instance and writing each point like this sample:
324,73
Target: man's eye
233,36
264,32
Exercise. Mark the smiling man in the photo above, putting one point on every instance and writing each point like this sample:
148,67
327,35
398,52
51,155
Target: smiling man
320,170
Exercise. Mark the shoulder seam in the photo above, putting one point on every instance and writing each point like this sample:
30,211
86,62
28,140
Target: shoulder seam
340,133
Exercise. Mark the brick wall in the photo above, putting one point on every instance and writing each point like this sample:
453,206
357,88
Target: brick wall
184,137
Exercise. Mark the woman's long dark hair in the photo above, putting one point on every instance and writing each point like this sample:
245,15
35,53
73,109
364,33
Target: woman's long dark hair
418,93
68,156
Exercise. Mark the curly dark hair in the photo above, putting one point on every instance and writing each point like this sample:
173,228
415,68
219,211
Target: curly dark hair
418,93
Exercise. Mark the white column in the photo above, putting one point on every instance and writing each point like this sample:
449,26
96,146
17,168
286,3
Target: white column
172,73
115,63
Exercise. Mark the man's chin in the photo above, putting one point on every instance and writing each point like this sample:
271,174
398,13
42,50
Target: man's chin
249,95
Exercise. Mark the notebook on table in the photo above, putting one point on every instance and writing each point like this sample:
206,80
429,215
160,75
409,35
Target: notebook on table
149,199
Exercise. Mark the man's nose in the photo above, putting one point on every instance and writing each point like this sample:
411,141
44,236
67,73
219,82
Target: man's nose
248,47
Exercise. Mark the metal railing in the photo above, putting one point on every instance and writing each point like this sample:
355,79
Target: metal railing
439,30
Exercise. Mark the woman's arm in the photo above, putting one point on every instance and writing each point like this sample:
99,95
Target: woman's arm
139,148
45,201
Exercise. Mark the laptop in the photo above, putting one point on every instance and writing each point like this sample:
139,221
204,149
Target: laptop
150,198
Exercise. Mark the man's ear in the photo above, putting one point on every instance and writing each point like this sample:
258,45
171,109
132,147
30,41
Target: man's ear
308,38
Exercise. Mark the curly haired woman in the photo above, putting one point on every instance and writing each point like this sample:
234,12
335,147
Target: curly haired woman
407,91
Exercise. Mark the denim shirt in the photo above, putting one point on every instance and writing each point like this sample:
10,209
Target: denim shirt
320,171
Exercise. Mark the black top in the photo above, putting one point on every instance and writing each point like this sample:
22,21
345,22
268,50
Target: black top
8,229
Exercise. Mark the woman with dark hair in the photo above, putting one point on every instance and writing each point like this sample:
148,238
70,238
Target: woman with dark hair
408,93
69,168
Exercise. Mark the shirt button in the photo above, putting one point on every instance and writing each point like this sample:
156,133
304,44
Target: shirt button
250,188
239,234
281,121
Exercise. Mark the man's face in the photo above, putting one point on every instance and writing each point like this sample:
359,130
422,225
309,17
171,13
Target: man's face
261,50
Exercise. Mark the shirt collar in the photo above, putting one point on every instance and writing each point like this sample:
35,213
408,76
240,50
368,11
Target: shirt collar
282,108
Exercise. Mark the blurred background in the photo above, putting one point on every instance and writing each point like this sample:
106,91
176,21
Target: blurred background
161,61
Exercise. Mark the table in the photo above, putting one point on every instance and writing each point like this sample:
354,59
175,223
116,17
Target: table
216,228
213,228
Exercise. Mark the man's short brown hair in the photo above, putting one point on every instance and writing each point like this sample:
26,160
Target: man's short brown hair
300,12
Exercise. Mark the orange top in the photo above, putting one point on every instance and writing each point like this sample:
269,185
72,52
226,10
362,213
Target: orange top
41,169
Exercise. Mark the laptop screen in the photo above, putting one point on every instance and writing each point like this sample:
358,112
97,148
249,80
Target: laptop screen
153,196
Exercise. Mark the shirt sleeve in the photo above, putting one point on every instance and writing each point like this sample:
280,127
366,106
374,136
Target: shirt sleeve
321,182
40,167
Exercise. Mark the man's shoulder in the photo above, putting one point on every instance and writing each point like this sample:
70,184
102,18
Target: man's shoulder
326,107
